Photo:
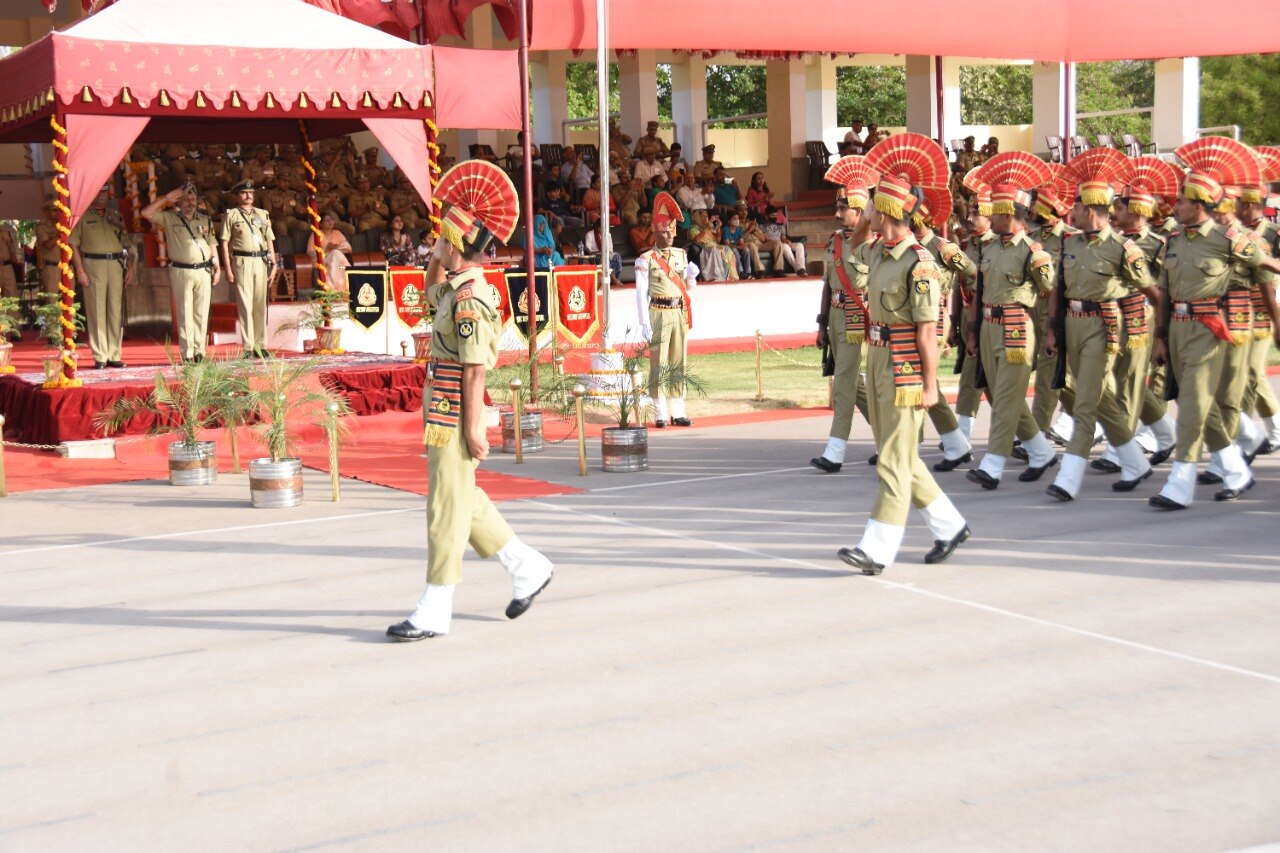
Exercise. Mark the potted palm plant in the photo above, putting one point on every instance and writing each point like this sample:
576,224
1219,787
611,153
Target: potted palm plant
282,400
320,313
49,321
553,397
9,328
199,396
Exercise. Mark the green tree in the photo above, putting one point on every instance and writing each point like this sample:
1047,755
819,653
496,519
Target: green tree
877,94
580,89
737,90
1242,90
995,94
1104,86
664,92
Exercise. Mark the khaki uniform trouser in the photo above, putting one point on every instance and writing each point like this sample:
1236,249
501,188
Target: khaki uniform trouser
847,389
50,278
904,480
1195,357
371,222
667,351
458,512
1045,402
191,293
1258,394
251,301
968,398
8,281
941,415
1224,416
1130,372
1154,405
1093,368
1007,384
104,308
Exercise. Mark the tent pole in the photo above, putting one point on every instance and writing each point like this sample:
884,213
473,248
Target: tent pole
602,168
66,284
941,104
531,289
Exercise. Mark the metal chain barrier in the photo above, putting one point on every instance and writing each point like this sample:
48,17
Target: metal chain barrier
782,355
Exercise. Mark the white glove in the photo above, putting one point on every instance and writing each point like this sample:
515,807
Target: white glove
646,331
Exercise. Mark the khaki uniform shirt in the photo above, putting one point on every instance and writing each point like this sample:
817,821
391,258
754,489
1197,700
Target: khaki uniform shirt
330,202
1269,233
1152,245
99,233
402,201
1198,261
467,325
262,174
378,176
942,249
362,203
904,284
46,242
656,145
703,170
246,230
285,203
293,173
216,174
1017,270
660,286
1103,266
189,241
856,261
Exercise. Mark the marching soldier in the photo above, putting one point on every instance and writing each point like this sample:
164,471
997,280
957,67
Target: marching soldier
1258,394
248,256
48,255
467,329
980,241
1053,203
934,211
1102,269
194,269
842,316
1190,330
367,206
1017,272
904,286
664,277
100,251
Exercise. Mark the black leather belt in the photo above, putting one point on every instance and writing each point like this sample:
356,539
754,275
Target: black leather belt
249,254
207,265
1084,306
118,256
992,312
666,302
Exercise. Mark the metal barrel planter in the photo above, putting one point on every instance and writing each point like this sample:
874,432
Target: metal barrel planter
624,450
530,432
275,484
193,465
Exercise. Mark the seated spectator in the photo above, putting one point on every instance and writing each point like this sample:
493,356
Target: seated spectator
515,155
759,197
395,243
716,261
689,197
619,142
748,256
591,203
648,167
556,204
546,255
656,185
618,173
675,159
991,149
335,246
725,192
706,167
651,142
574,173
708,194
635,201
424,249
873,136
968,157
641,234
853,139
782,245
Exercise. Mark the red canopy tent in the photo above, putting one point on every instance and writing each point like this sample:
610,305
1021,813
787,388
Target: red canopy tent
182,70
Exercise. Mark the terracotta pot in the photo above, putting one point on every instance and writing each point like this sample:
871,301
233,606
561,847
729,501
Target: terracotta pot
329,338
422,347
6,353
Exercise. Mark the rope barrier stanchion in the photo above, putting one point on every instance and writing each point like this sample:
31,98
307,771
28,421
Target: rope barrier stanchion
759,366
4,488
517,418
66,288
331,412
580,391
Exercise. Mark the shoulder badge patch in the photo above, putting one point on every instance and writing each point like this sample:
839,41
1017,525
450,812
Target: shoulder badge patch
464,293
466,328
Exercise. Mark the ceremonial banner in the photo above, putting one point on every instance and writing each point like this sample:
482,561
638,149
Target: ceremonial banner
518,286
577,306
409,295
497,278
368,292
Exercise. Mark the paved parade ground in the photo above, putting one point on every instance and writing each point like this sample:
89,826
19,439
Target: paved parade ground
183,671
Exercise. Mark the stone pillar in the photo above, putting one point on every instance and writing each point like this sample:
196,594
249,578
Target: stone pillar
1049,100
550,98
922,98
785,90
820,102
1177,108
689,103
637,91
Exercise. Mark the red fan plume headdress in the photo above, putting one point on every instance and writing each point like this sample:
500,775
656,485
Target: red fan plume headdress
1055,196
854,178
479,203
1215,162
981,190
1011,175
908,163
936,208
1096,170
1269,159
666,211
1152,179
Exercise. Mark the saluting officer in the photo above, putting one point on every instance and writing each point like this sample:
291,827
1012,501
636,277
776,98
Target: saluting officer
100,251
194,269
248,256
467,327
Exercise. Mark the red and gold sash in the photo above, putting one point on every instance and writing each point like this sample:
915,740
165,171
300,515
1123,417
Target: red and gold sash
444,380
1239,306
1013,317
1134,308
856,317
1261,320
908,370
1206,312
678,281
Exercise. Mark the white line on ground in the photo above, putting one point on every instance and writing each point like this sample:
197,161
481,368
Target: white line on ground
912,588
695,480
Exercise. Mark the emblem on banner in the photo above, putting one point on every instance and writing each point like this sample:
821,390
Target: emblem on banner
577,299
367,295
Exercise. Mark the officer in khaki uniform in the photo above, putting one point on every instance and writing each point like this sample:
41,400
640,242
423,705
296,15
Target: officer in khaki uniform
706,167
904,286
842,317
964,293
100,251
1101,269
407,204
1190,329
10,253
1258,394
1018,271
287,208
215,175
650,142
48,255
1053,203
261,170
467,328
664,277
194,269
248,256
370,169
368,206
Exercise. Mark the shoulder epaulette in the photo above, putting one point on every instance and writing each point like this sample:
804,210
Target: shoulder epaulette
1036,247
463,293
922,253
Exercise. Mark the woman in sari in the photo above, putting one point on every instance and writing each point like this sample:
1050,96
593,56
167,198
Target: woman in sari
335,246
545,252
718,262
